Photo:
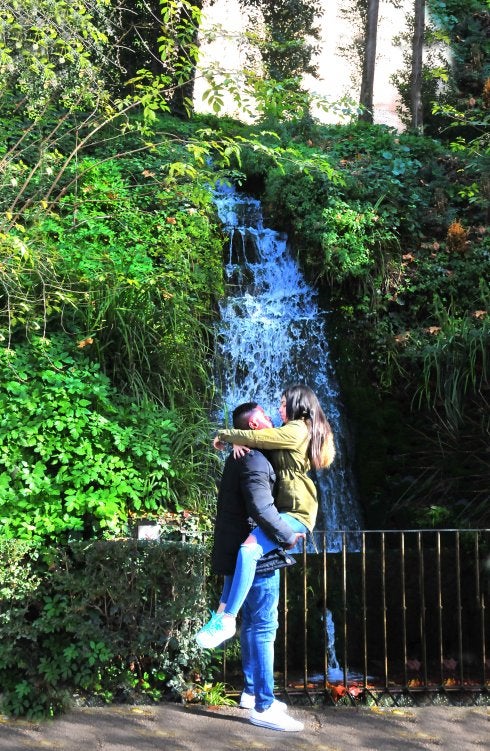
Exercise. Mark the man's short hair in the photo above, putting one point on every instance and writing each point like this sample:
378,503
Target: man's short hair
241,414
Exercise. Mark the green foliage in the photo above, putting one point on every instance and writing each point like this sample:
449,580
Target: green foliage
348,223
289,28
17,578
135,269
52,51
463,24
281,48
78,628
455,70
440,478
130,274
411,184
281,100
354,239
164,83
157,51
50,126
294,198
452,360
464,108
75,459
213,695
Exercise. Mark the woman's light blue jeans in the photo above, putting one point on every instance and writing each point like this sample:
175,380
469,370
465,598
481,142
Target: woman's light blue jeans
236,587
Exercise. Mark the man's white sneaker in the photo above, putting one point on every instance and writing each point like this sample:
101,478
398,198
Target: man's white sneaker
247,701
216,631
275,719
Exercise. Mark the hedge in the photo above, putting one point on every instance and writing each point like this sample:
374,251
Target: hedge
103,619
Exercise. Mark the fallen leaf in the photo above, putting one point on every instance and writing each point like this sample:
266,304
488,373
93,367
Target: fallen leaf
85,342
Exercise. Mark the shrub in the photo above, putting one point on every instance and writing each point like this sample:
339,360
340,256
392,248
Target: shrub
354,239
69,624
75,458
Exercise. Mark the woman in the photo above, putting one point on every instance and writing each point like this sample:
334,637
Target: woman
303,442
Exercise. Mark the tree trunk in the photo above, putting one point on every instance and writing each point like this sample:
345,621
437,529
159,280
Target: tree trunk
369,61
417,64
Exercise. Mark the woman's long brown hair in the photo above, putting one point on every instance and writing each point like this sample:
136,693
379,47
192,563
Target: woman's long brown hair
302,404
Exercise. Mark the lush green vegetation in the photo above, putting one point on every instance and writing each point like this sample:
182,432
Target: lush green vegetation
69,625
107,302
110,273
403,258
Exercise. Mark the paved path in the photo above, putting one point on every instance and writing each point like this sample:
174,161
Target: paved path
172,727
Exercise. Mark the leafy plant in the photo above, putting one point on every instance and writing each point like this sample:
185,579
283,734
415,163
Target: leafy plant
74,458
354,240
17,577
454,363
84,630
213,694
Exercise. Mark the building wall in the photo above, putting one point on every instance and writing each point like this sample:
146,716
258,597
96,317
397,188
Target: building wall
339,73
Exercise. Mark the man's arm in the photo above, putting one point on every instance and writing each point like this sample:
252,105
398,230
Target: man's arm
255,472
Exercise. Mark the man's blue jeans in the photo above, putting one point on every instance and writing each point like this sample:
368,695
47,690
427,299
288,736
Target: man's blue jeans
258,633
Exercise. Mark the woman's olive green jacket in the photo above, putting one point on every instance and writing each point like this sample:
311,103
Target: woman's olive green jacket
295,492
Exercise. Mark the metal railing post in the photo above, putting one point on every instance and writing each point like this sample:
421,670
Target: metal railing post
422,613
364,609
344,605
403,587
324,611
459,608
439,608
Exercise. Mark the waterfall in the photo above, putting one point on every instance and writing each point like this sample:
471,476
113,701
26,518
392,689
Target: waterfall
335,672
271,334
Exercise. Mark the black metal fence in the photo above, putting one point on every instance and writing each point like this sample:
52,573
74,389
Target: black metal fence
387,617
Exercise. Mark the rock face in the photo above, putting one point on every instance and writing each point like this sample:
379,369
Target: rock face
339,73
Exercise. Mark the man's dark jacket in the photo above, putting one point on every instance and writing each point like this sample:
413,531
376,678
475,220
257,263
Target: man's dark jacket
244,500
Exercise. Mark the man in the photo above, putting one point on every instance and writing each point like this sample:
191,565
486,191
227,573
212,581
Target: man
246,493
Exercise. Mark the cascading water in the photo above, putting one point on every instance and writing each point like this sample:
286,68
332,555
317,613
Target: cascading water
271,334
335,672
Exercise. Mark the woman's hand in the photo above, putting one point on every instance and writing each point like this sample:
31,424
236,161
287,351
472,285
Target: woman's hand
218,445
239,451
299,536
